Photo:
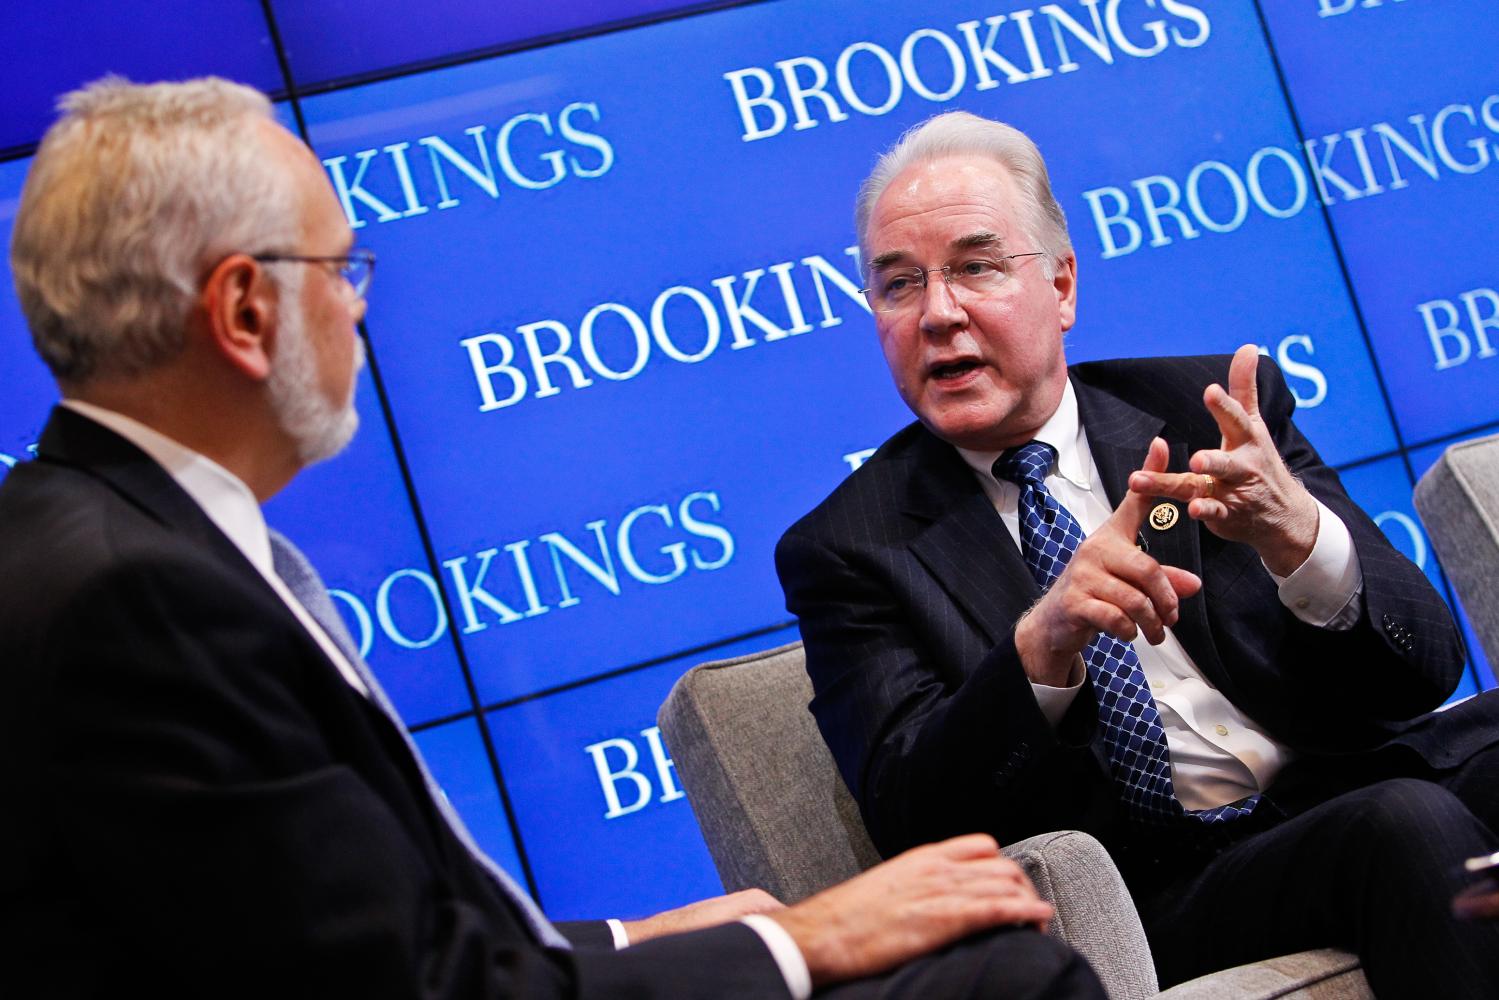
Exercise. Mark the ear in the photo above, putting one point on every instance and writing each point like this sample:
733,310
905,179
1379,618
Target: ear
1064,280
239,301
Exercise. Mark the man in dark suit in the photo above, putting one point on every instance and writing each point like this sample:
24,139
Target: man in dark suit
207,795
1120,598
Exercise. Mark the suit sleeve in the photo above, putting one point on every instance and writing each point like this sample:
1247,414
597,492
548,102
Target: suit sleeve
228,844
1404,655
929,752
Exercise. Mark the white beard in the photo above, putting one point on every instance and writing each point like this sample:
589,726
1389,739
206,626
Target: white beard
319,428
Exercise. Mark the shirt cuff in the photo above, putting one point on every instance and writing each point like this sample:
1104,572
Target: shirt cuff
1054,701
785,952
1324,590
621,937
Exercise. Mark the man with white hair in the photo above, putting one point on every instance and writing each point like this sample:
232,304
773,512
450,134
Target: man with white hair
1119,598
207,792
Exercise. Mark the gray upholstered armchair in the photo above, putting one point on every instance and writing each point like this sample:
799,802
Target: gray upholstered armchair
1458,500
776,815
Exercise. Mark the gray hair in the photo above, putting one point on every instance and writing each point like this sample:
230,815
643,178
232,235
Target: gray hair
135,192
958,133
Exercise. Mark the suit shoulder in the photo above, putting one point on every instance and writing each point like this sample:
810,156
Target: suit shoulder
1153,383
873,492
1170,387
65,538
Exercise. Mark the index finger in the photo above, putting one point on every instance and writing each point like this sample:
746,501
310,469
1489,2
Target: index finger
1241,378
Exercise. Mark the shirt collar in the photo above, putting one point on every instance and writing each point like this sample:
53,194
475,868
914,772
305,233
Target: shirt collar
1062,431
226,500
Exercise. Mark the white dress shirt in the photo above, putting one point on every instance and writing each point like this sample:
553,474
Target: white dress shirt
1218,754
231,506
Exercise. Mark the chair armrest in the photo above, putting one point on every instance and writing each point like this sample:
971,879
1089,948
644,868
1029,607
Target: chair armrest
1095,914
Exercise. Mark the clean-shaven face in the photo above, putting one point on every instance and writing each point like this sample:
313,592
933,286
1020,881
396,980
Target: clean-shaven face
981,372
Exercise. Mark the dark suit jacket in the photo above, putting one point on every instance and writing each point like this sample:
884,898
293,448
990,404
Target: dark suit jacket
196,802
908,586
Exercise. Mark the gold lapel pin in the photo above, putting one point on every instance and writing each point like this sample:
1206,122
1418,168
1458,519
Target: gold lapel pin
1163,516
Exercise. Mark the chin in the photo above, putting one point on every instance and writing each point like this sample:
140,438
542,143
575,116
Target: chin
328,437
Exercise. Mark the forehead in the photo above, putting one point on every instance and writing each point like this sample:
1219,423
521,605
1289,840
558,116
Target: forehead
932,204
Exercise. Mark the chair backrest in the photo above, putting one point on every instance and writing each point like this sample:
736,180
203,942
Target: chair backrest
771,804
1458,499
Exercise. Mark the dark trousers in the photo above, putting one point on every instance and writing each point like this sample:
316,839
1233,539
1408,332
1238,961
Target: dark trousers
1008,964
1369,863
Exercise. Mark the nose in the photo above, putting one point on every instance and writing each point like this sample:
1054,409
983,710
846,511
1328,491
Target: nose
940,309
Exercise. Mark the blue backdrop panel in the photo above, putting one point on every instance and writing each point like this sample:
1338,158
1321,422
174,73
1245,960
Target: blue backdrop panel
29,390
56,45
455,755
1401,102
1188,211
342,38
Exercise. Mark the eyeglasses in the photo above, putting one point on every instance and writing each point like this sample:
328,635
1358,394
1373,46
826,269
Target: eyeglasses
357,267
901,288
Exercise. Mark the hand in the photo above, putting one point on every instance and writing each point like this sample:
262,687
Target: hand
1243,491
1109,586
918,902
704,913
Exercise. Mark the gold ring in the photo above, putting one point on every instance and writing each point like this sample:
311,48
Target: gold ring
1208,484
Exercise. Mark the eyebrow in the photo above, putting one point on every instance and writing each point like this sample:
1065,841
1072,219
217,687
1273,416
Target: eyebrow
887,258
981,239
973,241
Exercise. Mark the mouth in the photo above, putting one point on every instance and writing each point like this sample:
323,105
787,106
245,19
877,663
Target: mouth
948,372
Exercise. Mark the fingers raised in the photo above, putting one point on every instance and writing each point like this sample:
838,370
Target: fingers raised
1229,414
1130,513
1241,378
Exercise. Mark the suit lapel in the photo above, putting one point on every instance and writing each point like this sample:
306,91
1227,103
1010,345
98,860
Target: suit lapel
965,545
1119,437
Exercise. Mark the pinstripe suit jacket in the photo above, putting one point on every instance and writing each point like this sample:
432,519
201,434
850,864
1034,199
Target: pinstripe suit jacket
908,586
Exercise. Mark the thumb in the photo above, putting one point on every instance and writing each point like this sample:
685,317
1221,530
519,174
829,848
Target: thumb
1130,513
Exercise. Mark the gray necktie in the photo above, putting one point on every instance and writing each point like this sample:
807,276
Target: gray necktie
305,584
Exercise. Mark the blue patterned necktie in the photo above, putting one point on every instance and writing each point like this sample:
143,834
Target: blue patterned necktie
1138,754
303,581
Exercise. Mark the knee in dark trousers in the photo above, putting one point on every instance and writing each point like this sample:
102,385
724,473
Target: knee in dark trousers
1372,870
1005,964
1053,969
1408,823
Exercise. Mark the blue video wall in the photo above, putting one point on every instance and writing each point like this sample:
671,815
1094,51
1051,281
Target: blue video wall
617,344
